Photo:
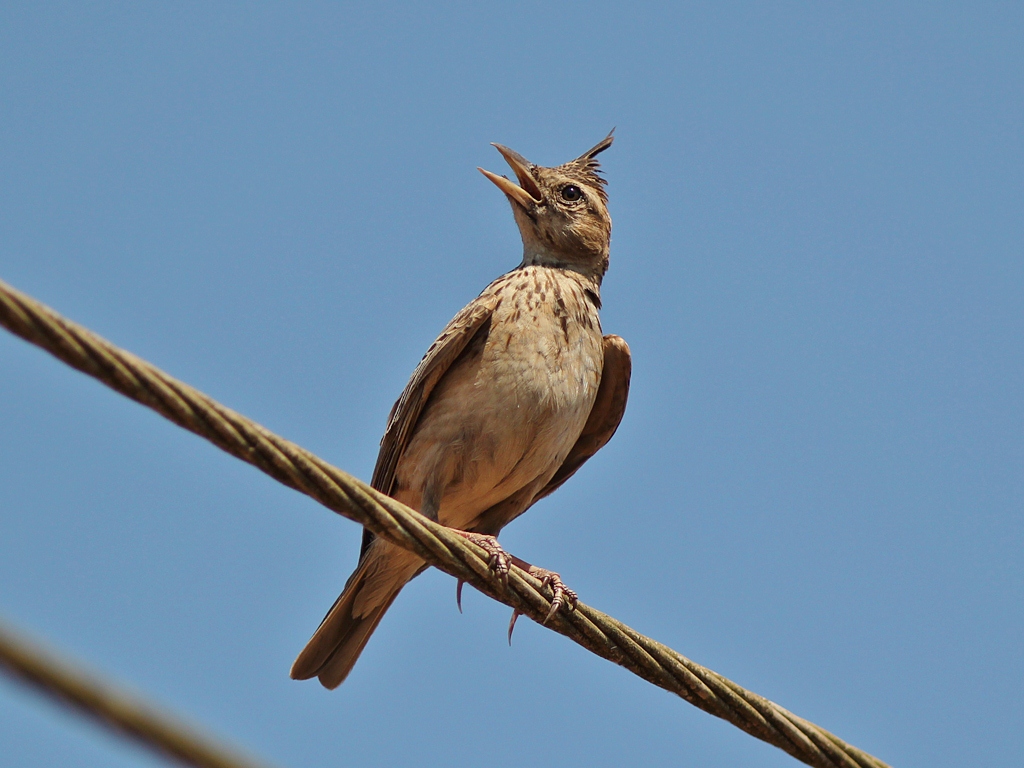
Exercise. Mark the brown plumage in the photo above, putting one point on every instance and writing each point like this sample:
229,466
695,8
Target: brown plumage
517,392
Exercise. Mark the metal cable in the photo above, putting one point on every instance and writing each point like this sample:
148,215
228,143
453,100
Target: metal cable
299,469
124,713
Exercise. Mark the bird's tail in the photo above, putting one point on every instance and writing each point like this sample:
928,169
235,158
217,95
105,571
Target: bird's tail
335,646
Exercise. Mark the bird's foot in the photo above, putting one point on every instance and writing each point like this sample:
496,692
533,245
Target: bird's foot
562,596
500,561
497,558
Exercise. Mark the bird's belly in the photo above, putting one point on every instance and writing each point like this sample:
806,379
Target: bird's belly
502,419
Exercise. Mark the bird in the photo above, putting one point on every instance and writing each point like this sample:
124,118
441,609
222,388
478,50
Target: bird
517,392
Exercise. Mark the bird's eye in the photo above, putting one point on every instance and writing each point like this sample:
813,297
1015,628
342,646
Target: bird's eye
571,193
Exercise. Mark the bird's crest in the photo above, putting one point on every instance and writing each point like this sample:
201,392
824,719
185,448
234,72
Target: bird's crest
586,167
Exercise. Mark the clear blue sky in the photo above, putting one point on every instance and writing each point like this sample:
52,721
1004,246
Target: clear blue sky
818,261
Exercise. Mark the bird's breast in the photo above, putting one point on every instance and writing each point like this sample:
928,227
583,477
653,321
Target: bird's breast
543,347
508,411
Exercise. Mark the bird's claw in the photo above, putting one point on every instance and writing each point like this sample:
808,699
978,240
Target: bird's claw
498,560
512,624
561,596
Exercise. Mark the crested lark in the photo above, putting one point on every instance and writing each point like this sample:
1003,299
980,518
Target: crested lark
517,392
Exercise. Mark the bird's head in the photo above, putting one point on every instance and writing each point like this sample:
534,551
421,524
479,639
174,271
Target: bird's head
562,212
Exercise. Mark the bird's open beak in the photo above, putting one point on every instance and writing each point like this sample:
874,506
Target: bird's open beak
527,194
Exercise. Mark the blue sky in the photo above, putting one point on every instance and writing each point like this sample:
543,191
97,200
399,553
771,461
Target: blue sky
817,261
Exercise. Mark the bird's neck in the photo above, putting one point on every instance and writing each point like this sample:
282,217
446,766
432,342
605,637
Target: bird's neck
591,267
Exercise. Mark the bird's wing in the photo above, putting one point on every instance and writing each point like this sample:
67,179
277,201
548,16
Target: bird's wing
435,363
473,319
604,417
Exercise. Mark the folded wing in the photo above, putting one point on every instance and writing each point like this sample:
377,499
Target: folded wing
604,416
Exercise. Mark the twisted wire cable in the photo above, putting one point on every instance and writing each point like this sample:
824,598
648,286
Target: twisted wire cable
297,468
126,714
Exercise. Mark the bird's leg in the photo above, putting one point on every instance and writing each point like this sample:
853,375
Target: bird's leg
500,561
